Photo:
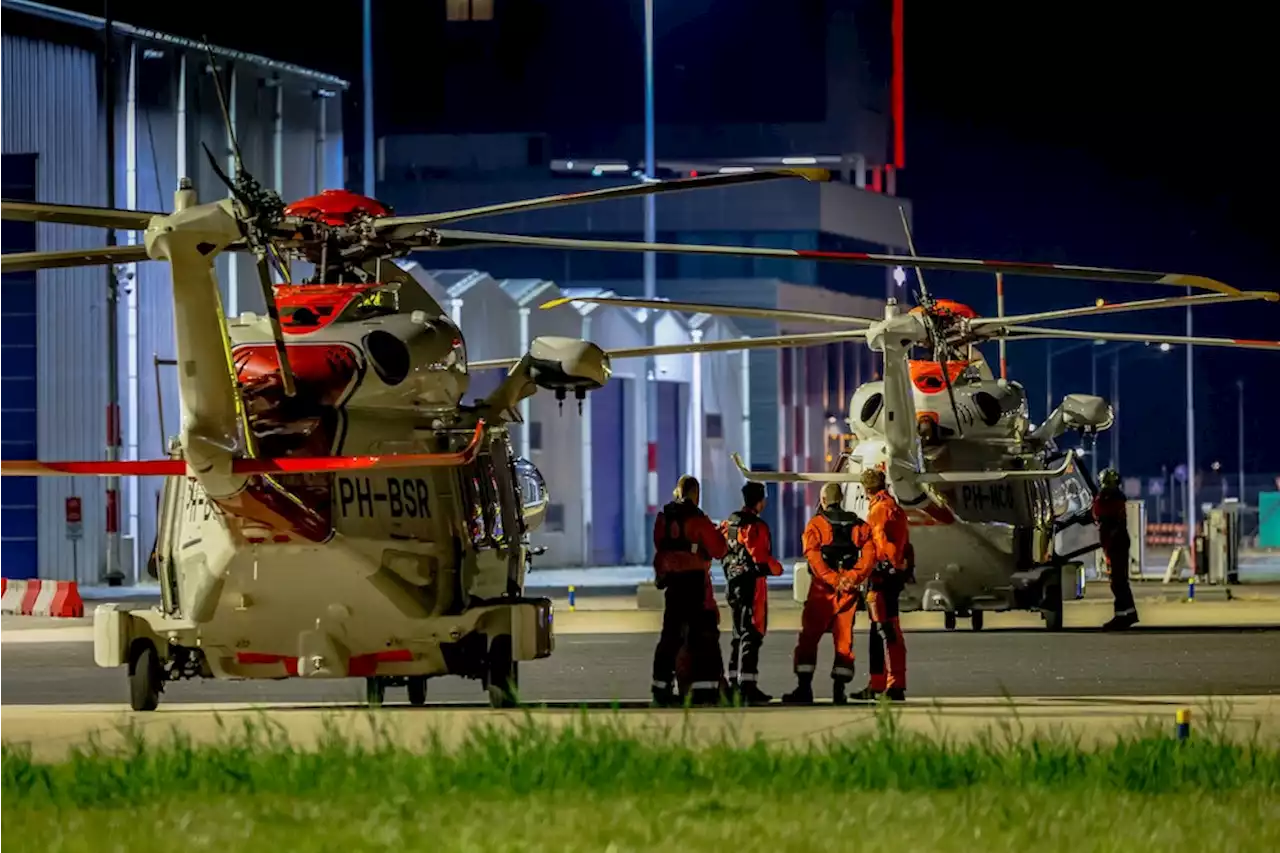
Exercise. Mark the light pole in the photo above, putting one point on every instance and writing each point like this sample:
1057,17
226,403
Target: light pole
1114,355
1191,444
367,72
1048,372
650,280
1240,436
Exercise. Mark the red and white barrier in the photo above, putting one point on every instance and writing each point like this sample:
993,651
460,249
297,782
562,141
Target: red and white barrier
41,598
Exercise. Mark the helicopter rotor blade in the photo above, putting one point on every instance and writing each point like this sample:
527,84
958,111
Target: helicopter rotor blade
807,339
257,466
449,239
63,258
245,189
76,214
1119,307
1025,333
941,348
404,226
714,310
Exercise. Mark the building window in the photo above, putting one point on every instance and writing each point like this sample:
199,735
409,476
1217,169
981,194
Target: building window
715,426
535,435
555,518
469,10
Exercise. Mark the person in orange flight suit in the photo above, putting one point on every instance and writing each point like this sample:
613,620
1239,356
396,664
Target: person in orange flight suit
747,565
888,560
685,542
832,541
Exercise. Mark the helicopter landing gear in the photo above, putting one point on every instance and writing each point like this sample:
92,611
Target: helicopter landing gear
1051,607
975,619
949,620
502,675
375,691
417,690
146,676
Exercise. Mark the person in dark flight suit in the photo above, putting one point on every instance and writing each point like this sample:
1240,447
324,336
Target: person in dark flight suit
685,542
1111,515
747,565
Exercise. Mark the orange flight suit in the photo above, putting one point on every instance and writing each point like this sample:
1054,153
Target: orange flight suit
832,541
747,565
685,542
888,560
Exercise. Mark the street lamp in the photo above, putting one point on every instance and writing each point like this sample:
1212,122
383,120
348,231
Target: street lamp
1048,372
1114,355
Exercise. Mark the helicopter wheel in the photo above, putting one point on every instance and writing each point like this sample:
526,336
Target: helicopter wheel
145,678
417,690
375,691
976,620
1052,608
949,620
503,675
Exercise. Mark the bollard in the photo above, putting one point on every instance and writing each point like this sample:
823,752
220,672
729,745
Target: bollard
1191,587
572,598
1183,727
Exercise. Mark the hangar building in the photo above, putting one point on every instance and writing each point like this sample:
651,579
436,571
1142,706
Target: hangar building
55,400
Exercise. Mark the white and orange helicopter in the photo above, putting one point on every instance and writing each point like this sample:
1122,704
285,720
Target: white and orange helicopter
332,507
999,514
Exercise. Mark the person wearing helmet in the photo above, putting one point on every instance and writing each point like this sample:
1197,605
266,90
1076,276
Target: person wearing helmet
747,565
888,561
833,541
1109,512
685,542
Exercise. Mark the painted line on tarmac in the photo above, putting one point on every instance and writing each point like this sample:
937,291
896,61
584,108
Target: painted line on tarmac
1085,616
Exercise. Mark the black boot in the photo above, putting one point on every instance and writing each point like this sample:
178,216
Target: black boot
837,692
705,697
1122,621
751,694
803,694
866,694
896,694
665,698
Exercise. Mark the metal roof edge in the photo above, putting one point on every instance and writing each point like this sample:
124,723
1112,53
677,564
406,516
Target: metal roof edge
94,22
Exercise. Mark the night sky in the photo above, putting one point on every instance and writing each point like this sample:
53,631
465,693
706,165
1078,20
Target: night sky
1051,132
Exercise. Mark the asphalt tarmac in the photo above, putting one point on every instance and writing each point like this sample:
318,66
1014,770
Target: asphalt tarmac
594,668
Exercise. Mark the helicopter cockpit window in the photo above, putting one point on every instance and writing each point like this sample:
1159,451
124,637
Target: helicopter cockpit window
379,302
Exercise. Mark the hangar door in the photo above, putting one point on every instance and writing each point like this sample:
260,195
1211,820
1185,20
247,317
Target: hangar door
608,472
19,553
673,398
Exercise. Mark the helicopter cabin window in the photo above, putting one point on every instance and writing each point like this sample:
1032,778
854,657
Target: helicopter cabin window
480,492
535,435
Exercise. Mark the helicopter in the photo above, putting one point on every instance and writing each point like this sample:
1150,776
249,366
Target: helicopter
999,514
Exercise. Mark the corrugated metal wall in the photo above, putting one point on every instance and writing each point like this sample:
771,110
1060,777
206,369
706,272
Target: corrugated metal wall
51,108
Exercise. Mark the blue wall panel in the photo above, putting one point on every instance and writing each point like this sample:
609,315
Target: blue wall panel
608,467
19,546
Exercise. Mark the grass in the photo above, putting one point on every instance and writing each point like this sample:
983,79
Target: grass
592,786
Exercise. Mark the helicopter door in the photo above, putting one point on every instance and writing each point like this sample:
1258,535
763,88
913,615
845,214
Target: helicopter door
1072,494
